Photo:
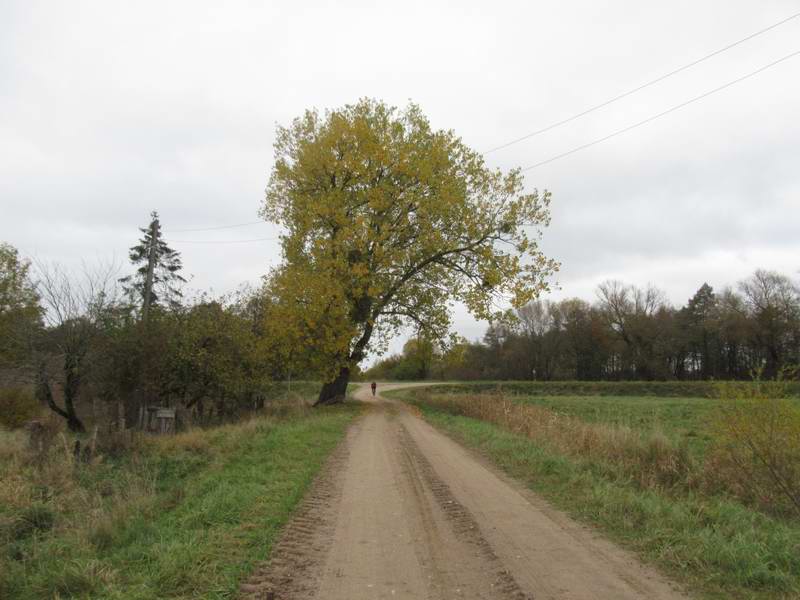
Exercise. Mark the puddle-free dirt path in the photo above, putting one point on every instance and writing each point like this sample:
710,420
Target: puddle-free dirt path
401,511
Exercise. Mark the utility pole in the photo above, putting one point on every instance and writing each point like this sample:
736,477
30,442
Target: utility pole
148,292
151,264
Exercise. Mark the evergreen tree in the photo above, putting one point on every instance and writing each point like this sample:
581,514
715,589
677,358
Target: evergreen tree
699,321
165,290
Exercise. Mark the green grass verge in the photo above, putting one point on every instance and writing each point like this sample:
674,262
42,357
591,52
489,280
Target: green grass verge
217,500
719,548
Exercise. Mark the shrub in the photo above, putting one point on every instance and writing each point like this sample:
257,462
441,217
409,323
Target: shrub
757,448
17,407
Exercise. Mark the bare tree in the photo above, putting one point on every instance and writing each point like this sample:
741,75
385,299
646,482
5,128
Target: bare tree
630,313
75,308
773,302
535,318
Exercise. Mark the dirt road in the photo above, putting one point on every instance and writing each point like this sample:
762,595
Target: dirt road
402,511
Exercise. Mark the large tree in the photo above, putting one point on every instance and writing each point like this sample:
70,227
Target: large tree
773,302
699,324
387,223
639,317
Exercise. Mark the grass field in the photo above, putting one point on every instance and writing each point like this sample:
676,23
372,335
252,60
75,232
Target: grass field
682,420
656,389
718,546
184,516
683,411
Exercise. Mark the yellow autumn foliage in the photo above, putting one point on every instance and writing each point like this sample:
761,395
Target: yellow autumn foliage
388,222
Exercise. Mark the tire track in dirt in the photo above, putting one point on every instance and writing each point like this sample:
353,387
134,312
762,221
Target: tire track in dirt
550,556
401,511
463,523
400,534
379,523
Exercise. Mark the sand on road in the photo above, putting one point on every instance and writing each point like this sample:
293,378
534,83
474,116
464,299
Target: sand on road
402,511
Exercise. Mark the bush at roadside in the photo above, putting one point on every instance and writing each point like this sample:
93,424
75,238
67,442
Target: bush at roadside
756,455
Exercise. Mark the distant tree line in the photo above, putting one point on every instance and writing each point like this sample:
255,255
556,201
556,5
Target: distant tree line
627,333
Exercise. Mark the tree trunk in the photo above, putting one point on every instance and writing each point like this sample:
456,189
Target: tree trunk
334,391
73,384
74,424
45,395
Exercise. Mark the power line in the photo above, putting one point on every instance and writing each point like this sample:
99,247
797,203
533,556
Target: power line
215,228
224,241
661,114
641,87
567,120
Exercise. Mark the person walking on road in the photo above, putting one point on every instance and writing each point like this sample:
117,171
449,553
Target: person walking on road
374,386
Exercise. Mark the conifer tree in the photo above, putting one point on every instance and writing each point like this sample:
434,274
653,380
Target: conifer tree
166,279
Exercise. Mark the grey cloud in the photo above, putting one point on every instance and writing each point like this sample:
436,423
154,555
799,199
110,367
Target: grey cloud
111,109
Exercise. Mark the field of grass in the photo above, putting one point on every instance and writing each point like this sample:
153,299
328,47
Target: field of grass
682,420
633,467
682,411
658,389
184,516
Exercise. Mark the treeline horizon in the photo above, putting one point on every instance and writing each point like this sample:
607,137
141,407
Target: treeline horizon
626,333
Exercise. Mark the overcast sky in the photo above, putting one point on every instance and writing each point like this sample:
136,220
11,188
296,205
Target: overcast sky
109,110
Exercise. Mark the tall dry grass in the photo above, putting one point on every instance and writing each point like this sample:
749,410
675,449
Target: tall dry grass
68,527
754,455
650,459
46,489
